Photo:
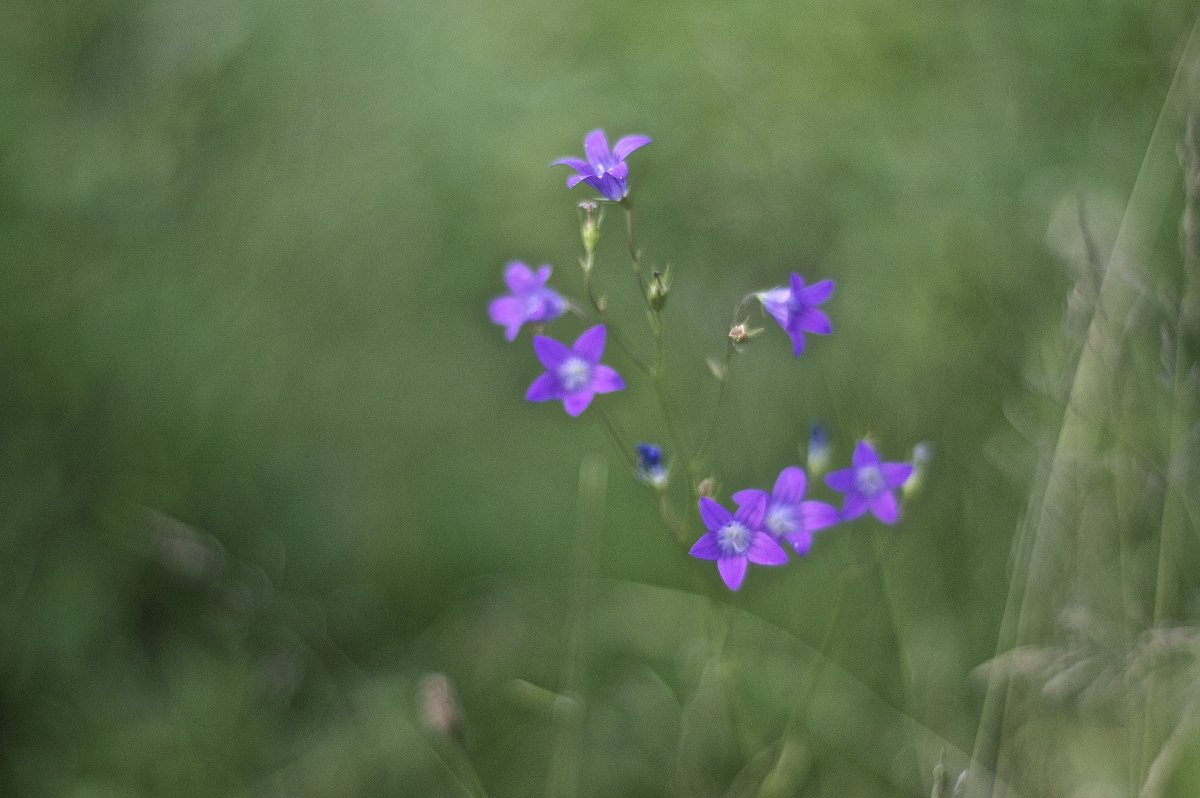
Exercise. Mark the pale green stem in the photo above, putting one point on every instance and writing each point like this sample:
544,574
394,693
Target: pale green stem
569,715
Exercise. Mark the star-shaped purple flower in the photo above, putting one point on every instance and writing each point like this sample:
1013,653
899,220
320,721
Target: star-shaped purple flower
737,539
604,170
868,484
573,374
795,308
788,516
530,300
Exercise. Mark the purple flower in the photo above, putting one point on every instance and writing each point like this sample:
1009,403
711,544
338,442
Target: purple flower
604,170
868,483
573,374
734,540
530,300
788,516
795,308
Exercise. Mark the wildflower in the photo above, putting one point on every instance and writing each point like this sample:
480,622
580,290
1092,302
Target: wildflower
530,300
819,449
650,466
788,516
734,540
795,308
604,170
573,374
868,483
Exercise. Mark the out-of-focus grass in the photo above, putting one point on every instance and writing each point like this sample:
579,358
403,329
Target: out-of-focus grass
247,250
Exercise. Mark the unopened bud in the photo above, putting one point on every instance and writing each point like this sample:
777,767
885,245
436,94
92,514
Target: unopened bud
591,215
660,286
439,705
922,453
706,487
819,450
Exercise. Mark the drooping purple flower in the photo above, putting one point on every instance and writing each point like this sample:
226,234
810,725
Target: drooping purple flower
573,374
795,308
530,299
868,484
604,170
737,539
788,516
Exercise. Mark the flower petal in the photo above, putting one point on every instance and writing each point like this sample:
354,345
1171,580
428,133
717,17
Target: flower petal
575,403
609,185
542,274
749,495
552,353
578,164
509,312
707,547
733,570
751,514
813,321
575,180
864,455
606,380
797,337
713,515
885,508
895,474
854,506
765,551
801,541
817,293
790,485
590,344
544,388
818,515
775,302
595,149
628,144
518,278
796,283
842,481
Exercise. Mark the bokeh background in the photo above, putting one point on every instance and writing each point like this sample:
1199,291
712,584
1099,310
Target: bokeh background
265,463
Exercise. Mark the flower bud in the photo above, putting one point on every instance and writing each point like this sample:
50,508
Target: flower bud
650,468
819,450
922,453
591,215
439,705
660,286
706,487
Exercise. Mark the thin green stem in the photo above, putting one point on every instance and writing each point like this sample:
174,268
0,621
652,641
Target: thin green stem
588,263
569,715
618,438
635,255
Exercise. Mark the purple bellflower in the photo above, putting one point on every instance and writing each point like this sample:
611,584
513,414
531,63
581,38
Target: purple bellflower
868,484
530,299
795,308
788,516
573,374
737,539
604,170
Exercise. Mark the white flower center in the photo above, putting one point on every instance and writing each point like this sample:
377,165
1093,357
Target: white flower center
733,538
868,481
781,520
574,373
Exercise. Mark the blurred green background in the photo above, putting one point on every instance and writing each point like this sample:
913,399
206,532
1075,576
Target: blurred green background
265,462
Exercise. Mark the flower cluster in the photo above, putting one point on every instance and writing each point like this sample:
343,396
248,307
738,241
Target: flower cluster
763,524
753,533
